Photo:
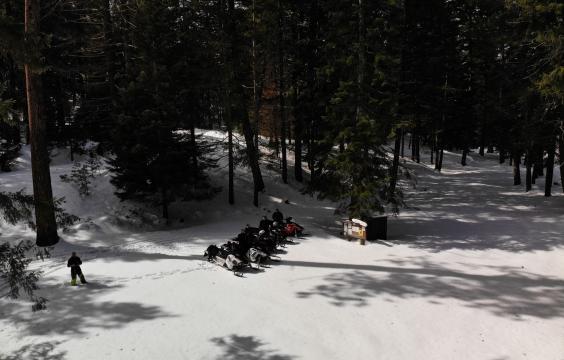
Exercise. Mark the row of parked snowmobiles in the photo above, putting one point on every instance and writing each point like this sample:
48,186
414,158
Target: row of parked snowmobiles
254,246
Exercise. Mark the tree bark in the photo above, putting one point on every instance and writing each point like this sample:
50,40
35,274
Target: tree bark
402,142
241,108
438,147
464,157
311,152
109,45
42,192
312,83
395,163
561,157
433,146
528,177
361,61
516,169
298,172
412,144
281,92
549,168
539,163
231,166
482,137
194,147
226,114
418,149
441,159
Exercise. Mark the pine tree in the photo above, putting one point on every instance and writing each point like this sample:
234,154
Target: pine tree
13,270
44,207
362,109
157,160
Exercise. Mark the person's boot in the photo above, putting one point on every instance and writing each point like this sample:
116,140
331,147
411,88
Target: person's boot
82,279
73,282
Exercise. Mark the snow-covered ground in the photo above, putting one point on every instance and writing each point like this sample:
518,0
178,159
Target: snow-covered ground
473,270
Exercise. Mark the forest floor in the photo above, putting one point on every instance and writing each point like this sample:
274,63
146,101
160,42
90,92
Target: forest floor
472,270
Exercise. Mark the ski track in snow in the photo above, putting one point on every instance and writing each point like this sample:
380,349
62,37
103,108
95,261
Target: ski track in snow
473,270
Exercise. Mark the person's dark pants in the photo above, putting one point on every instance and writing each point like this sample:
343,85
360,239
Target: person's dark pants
75,270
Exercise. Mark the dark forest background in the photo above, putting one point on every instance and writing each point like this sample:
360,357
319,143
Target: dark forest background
346,88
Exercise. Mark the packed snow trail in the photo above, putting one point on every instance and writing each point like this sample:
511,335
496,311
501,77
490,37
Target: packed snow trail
473,270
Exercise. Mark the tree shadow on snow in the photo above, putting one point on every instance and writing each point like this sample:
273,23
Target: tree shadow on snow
237,347
447,234
513,293
478,209
43,351
78,310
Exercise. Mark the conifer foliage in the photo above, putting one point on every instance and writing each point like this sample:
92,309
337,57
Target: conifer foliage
341,88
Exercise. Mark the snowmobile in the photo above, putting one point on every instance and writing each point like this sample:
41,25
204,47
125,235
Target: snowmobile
250,247
292,228
223,258
277,233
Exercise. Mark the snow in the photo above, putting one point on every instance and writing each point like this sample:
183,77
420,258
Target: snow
473,270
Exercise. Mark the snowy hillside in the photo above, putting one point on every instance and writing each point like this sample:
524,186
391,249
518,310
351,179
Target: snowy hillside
473,270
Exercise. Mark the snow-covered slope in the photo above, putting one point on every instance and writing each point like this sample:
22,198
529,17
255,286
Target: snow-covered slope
472,271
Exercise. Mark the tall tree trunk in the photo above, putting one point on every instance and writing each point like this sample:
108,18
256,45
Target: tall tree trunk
528,177
440,136
227,114
482,136
60,111
194,147
109,45
252,154
415,140
42,192
464,156
298,172
361,61
561,156
418,149
437,153
241,107
256,95
311,151
549,168
412,144
281,92
312,83
441,159
402,142
231,164
433,146
539,162
298,127
535,161
395,163
516,156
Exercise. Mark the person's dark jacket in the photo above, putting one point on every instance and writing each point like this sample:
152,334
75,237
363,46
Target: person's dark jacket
74,261
265,224
277,216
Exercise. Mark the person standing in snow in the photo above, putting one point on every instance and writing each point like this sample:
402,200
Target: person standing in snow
277,216
74,263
